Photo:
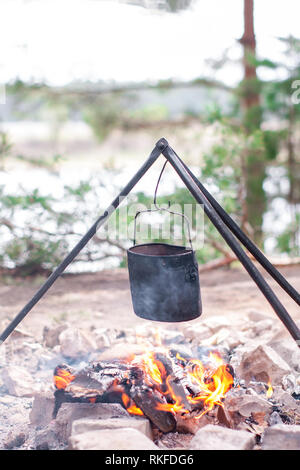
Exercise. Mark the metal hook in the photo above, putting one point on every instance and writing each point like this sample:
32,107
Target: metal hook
157,208
156,188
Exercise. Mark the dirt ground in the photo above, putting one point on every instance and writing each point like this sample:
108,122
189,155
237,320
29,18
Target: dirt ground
102,300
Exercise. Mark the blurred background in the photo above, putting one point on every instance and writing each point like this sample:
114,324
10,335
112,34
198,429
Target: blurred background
89,86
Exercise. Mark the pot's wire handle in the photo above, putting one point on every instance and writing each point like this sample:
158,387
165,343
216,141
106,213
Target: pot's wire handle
157,208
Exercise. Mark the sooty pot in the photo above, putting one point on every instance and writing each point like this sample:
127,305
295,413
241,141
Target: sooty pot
164,282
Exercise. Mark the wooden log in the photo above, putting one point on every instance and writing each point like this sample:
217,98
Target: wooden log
93,384
102,375
75,394
175,376
62,396
108,382
147,400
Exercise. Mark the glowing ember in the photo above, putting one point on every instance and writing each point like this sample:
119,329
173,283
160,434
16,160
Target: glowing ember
212,380
176,384
62,377
130,406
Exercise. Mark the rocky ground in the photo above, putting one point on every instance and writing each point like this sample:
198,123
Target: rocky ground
90,316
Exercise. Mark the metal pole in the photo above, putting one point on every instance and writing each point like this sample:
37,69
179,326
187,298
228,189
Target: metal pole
216,214
251,247
231,241
81,244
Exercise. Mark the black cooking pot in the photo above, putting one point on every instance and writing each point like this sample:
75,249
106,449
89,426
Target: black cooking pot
164,282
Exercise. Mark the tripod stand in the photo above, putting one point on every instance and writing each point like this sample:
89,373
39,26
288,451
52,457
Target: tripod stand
229,230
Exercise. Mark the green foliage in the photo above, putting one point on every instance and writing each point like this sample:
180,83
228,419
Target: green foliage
150,113
240,145
79,191
36,229
5,148
32,254
272,140
26,201
286,242
42,162
213,113
253,118
165,84
266,63
249,87
175,5
103,116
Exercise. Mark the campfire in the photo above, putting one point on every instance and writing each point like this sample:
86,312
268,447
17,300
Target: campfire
159,385
163,385
222,383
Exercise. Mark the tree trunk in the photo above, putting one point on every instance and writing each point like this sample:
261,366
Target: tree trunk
252,115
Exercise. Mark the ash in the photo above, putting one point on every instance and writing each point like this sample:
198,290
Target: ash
260,411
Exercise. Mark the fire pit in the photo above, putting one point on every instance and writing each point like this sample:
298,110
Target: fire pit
146,388
158,385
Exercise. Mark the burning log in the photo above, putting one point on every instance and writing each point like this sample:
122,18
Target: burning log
92,384
174,385
159,385
180,367
150,403
148,399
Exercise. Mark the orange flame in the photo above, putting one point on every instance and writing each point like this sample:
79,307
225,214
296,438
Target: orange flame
154,369
210,381
174,407
62,378
130,406
134,410
213,380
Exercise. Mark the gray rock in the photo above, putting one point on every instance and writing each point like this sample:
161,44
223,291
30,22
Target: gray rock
239,401
42,408
257,316
175,440
75,343
102,338
14,440
197,332
105,439
288,351
191,425
286,401
213,437
262,364
121,351
217,322
46,439
225,337
260,388
70,412
275,419
51,335
18,381
83,425
291,383
262,326
281,437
